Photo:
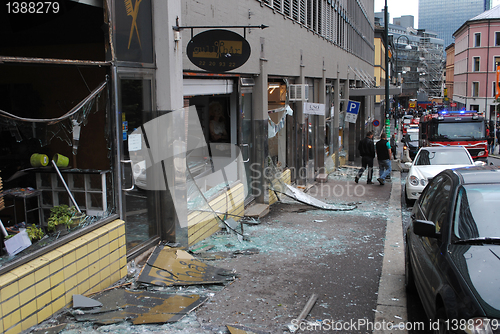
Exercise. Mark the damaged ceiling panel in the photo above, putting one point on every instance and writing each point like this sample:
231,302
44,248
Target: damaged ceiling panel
140,307
302,197
174,266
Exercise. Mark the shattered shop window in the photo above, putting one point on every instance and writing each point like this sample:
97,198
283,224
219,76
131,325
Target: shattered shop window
55,166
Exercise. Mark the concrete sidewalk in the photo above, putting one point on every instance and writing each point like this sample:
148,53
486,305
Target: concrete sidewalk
391,303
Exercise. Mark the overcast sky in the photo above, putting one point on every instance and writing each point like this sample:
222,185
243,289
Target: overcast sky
398,8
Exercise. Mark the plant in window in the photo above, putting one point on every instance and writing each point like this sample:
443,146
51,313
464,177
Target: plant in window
34,232
59,216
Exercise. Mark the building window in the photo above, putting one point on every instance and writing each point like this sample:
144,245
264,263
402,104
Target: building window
475,89
496,62
475,66
477,39
493,88
497,38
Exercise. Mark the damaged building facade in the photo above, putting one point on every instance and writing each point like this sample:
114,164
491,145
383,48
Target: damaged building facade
96,106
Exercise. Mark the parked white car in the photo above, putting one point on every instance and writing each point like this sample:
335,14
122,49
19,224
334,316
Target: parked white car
429,162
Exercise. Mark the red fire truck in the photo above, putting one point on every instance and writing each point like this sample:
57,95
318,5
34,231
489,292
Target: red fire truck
464,128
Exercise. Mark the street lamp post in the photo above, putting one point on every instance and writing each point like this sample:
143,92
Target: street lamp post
386,35
407,47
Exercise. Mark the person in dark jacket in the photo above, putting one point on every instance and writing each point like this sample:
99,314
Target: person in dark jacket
491,141
383,149
367,152
393,145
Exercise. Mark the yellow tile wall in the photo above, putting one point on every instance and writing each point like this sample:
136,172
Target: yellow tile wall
285,177
201,225
36,290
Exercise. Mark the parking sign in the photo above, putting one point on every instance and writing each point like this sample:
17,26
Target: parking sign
352,111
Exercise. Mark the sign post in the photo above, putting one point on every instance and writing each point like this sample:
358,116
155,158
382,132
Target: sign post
388,127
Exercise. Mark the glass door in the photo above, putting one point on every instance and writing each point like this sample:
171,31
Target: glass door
139,204
247,142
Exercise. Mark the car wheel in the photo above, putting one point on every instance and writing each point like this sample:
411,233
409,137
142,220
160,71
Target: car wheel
409,278
409,202
441,320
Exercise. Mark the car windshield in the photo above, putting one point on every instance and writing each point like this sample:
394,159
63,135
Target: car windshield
406,120
457,131
412,137
447,157
477,211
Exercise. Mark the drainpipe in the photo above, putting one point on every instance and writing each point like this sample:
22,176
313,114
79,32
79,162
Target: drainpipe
336,123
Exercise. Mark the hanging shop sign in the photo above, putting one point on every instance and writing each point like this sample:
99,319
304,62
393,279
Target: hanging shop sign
218,50
314,108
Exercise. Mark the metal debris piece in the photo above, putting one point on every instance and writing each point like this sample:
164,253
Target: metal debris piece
173,266
299,196
238,329
141,307
248,251
303,315
250,221
50,330
80,301
309,305
215,256
202,249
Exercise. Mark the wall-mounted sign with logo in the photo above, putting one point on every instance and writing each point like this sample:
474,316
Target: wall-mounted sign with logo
314,108
218,50
134,31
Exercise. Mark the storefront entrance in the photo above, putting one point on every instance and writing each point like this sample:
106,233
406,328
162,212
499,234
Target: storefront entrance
138,202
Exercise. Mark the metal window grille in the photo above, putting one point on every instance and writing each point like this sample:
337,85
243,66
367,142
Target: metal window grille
287,7
303,17
295,10
277,5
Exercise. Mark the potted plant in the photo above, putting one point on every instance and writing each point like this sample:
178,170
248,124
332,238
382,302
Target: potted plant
34,232
60,217
76,217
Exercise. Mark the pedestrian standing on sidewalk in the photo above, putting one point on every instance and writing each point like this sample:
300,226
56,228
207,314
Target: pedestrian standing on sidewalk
383,149
491,141
393,145
498,138
367,152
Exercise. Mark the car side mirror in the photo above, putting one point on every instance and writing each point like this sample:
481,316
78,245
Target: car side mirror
408,164
424,228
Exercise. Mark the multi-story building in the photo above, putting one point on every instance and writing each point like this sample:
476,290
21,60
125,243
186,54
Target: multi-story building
431,64
417,58
445,16
477,54
449,74
112,85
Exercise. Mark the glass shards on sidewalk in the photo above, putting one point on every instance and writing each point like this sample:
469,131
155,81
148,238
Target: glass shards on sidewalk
174,266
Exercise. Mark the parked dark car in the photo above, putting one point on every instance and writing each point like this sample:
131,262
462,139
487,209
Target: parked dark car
452,250
410,141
